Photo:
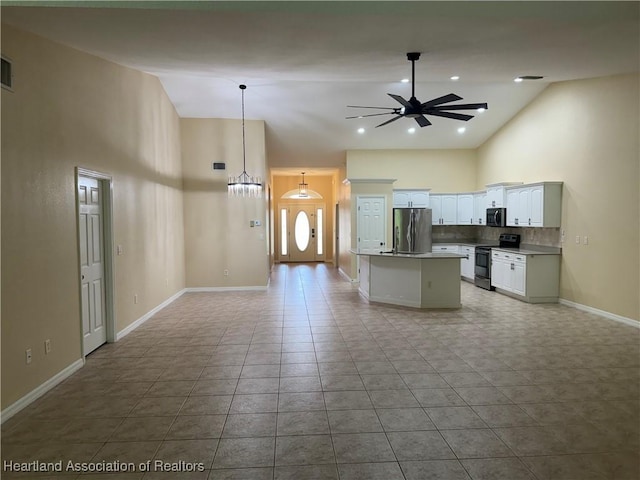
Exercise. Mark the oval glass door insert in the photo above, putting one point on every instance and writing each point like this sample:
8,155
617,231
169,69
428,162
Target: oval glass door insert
302,231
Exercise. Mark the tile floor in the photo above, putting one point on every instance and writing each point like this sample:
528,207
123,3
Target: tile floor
308,381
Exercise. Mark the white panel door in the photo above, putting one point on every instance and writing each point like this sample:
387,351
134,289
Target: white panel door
92,281
371,224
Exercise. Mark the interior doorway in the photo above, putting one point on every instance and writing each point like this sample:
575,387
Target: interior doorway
93,194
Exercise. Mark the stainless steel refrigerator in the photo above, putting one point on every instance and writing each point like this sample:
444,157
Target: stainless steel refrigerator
412,230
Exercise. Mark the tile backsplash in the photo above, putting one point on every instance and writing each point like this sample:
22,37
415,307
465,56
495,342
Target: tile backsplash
548,237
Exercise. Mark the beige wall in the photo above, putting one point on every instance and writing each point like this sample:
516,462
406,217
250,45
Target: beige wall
344,223
217,232
584,133
100,116
442,171
324,185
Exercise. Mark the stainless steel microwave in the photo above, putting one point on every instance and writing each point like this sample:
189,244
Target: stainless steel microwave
496,217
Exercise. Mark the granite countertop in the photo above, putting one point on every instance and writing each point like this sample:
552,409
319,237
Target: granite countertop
413,255
525,248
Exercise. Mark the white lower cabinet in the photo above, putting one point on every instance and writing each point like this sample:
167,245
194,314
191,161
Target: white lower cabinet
468,262
533,278
445,247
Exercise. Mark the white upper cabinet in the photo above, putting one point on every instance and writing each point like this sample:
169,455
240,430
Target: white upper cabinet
479,208
465,209
411,198
535,205
497,194
443,208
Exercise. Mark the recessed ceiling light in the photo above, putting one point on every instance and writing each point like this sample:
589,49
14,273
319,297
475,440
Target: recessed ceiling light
480,110
405,80
455,77
412,130
517,79
461,130
361,130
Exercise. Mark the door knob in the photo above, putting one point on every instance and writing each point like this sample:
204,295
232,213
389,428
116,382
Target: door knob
82,277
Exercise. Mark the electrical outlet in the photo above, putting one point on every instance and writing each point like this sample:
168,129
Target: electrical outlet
586,240
47,346
135,298
28,356
225,273
578,239
119,249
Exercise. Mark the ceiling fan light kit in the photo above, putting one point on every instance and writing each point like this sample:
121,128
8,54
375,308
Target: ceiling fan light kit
413,108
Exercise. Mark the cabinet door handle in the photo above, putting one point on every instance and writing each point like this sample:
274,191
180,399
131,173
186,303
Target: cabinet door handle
513,267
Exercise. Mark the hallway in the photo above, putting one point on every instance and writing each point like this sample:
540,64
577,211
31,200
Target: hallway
306,380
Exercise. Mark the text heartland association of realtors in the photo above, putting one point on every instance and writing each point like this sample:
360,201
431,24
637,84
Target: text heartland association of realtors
101,467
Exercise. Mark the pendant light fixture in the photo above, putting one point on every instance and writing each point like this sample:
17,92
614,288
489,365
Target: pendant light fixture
302,188
244,185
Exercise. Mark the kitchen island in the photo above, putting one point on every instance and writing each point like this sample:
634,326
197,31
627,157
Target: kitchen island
426,280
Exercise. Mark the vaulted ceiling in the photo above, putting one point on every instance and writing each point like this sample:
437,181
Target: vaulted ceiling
304,62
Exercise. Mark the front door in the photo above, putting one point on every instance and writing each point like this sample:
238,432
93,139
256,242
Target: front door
92,278
302,233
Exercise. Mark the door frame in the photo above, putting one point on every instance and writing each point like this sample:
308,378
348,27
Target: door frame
106,186
291,220
359,199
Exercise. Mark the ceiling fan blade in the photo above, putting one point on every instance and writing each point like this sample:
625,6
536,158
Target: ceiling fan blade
360,106
370,115
455,116
422,121
465,106
451,97
400,100
389,121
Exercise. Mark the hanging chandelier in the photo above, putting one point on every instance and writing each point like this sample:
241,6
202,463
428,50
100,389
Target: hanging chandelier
244,185
302,188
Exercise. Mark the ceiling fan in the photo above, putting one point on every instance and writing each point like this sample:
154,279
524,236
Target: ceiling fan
412,108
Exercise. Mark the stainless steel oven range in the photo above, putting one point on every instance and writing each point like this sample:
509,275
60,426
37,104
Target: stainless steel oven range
483,259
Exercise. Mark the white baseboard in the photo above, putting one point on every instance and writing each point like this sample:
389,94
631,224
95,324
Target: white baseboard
40,390
347,277
131,327
602,313
226,289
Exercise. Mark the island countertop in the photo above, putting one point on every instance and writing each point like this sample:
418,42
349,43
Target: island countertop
411,255
427,280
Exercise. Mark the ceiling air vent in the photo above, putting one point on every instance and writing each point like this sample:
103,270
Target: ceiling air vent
7,73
